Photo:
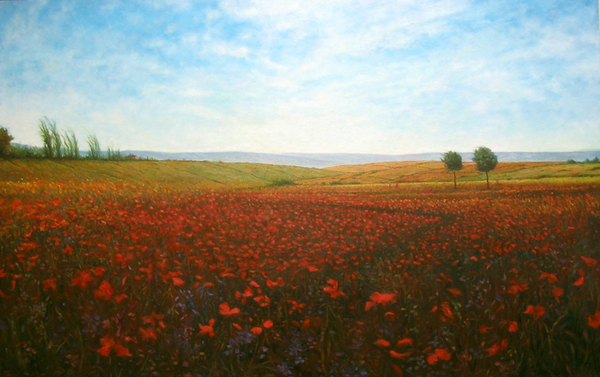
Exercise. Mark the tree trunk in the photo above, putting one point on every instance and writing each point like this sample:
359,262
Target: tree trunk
487,179
453,172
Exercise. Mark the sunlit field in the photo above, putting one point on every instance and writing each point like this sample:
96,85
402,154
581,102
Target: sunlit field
124,279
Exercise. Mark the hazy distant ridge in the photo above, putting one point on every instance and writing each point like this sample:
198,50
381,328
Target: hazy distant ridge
322,160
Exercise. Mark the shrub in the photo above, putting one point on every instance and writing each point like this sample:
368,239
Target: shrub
282,182
24,151
5,139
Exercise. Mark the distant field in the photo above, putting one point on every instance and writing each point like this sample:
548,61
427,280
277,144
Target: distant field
434,171
219,174
204,173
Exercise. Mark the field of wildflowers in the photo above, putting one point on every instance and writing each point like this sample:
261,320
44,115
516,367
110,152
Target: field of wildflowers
416,280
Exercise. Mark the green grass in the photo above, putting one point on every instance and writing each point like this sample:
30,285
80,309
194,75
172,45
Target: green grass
220,174
203,173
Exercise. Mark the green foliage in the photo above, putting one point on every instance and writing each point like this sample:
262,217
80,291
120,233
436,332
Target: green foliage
486,161
71,147
94,146
282,182
453,162
45,129
115,155
5,139
56,140
24,151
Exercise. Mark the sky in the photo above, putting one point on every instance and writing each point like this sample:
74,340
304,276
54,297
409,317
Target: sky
311,76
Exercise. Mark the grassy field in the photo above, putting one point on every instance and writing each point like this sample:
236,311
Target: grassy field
218,174
202,173
434,171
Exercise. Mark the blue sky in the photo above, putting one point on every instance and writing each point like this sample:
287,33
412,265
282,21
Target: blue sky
356,76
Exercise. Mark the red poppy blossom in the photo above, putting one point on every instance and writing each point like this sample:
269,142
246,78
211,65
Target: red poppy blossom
536,311
82,279
397,355
209,330
406,341
439,354
225,310
105,291
551,277
49,284
109,345
380,298
148,333
455,292
256,330
594,320
591,262
332,289
557,292
497,347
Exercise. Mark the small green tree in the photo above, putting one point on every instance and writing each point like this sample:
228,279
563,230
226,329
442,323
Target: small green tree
5,139
56,140
453,162
94,146
71,146
486,161
46,126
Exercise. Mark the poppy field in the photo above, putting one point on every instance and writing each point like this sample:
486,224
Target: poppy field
123,279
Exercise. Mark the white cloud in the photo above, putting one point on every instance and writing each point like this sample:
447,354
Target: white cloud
230,49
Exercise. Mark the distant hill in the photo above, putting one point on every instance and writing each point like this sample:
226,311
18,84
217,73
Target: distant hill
203,173
323,160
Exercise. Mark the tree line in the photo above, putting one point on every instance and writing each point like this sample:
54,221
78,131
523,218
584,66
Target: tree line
484,158
57,145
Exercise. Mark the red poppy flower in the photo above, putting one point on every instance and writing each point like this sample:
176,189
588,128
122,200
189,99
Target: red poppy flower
82,279
105,291
594,320
49,284
207,329
536,311
148,333
225,310
557,292
109,345
591,262
380,298
406,341
397,355
332,289
551,277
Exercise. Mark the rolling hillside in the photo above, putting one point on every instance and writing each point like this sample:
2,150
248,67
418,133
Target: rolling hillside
435,171
221,174
204,173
